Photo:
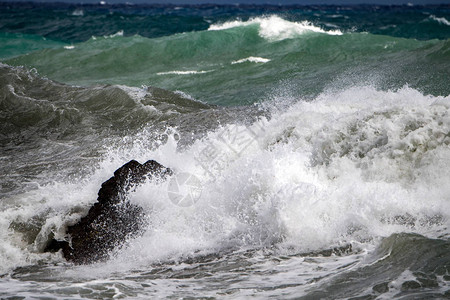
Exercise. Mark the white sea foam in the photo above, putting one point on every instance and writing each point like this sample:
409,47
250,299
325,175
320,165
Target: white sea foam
276,28
336,170
190,72
252,59
78,13
117,34
138,95
442,20
339,169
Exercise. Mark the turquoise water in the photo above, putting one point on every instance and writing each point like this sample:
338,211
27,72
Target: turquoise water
309,49
318,137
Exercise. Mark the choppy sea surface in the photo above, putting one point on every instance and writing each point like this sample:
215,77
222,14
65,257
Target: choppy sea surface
310,144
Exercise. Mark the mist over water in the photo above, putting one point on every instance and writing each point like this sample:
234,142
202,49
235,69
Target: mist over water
309,147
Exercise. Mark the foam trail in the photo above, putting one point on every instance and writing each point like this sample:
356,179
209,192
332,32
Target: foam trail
443,21
252,59
78,13
191,72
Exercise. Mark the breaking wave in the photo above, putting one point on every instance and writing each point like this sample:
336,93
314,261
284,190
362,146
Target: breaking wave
274,28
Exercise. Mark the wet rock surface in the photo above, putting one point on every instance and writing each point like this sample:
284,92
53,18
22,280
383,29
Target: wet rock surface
112,219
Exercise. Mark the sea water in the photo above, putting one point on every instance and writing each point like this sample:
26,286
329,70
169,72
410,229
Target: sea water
310,147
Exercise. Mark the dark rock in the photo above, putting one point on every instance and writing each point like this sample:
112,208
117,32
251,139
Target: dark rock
410,285
112,219
426,280
381,287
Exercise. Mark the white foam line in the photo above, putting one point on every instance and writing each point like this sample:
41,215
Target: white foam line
118,33
251,59
183,72
440,20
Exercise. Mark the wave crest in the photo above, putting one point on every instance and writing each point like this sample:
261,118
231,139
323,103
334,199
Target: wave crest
274,28
252,59
442,20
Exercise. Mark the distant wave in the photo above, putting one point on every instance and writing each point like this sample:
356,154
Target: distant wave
276,28
117,34
443,21
78,13
252,59
191,72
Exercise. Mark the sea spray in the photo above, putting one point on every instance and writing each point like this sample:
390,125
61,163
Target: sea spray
345,169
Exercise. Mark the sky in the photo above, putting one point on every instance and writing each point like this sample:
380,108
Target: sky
386,2
276,2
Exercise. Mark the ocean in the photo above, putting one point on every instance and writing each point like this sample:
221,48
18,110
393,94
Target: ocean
310,149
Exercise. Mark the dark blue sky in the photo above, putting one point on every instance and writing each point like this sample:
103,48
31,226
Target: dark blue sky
387,2
277,2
